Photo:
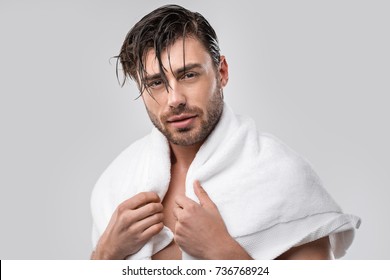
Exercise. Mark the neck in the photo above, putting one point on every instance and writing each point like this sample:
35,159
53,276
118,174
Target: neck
182,156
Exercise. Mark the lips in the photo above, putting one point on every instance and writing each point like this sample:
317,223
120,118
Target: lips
181,117
182,120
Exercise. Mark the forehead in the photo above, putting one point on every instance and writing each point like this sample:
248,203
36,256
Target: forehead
183,51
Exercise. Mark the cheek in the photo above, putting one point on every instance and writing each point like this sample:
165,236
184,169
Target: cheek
149,102
206,91
150,107
204,87
155,105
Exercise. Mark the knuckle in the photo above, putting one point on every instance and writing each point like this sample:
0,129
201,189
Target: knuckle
143,196
151,207
132,233
126,219
155,207
137,238
148,196
154,196
159,217
121,208
160,207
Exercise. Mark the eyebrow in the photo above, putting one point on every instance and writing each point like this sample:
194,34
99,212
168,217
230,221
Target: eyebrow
177,72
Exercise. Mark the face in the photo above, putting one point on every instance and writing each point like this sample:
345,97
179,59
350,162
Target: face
190,108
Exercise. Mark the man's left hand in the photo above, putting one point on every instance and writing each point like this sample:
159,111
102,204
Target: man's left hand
200,230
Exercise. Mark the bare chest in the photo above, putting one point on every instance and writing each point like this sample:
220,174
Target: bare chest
176,187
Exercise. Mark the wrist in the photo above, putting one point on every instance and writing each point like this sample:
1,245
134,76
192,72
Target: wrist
104,253
101,254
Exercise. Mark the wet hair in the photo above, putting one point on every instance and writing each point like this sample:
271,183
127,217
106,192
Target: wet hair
159,30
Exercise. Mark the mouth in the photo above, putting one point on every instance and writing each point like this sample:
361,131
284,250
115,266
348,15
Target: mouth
181,121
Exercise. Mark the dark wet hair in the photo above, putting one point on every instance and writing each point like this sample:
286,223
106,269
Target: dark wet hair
159,30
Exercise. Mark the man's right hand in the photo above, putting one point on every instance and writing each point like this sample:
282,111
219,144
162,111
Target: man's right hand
133,223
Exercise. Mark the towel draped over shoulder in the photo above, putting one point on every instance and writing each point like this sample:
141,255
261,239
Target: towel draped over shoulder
269,197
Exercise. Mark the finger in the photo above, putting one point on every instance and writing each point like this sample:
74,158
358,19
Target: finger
139,200
152,231
146,211
202,195
183,201
146,223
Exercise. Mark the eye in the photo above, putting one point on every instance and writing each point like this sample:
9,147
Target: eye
154,84
189,75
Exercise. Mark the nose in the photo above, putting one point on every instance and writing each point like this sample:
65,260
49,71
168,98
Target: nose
176,96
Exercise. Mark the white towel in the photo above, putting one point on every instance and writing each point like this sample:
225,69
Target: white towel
269,197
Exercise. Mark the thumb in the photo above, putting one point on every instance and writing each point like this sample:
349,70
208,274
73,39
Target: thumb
202,195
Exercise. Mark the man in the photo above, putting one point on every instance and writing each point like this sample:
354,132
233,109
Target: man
205,184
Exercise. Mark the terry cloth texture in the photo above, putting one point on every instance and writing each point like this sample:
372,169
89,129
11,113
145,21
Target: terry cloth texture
269,197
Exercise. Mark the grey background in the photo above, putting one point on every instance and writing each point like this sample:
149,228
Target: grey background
313,73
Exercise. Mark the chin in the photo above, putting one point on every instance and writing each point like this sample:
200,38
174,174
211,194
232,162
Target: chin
185,137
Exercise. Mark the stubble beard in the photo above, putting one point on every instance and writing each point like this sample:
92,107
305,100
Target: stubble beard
191,135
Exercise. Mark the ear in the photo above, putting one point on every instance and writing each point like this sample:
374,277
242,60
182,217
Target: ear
223,71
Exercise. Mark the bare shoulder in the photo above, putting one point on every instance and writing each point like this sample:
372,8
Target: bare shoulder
316,250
